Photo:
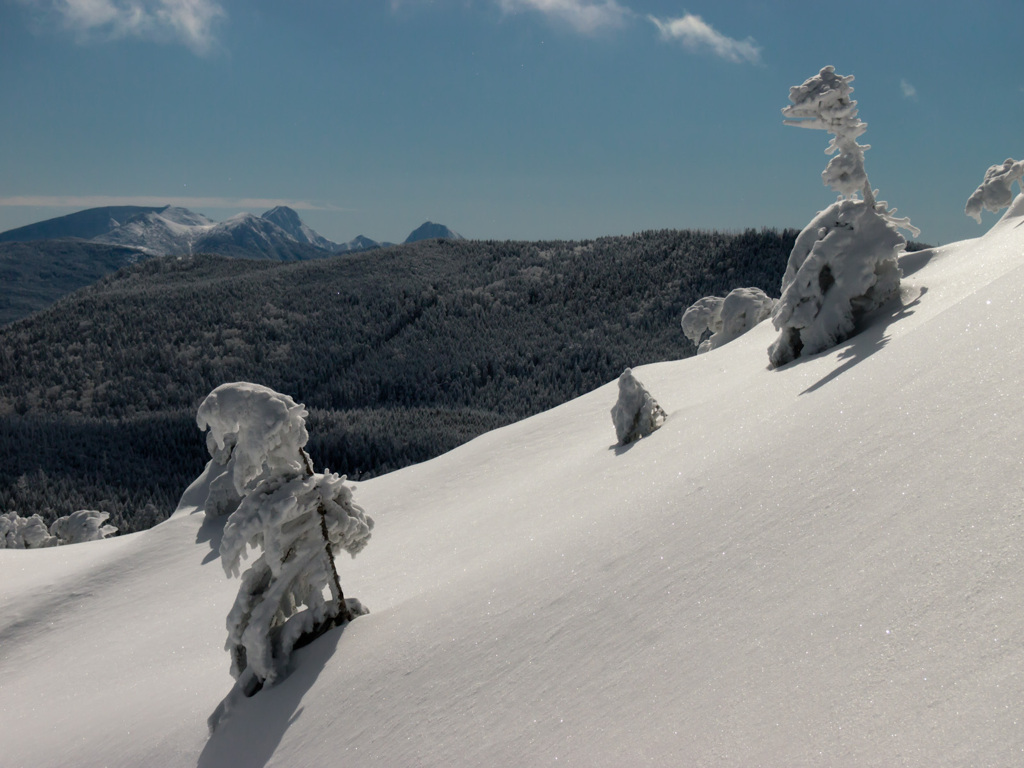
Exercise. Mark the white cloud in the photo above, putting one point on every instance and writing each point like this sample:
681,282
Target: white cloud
189,22
100,201
909,91
587,16
697,35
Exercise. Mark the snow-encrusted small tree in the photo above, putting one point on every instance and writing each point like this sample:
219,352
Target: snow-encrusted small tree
17,532
299,519
727,318
635,414
81,526
844,263
994,193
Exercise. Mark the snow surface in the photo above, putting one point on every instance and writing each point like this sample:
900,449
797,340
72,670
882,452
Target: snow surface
818,565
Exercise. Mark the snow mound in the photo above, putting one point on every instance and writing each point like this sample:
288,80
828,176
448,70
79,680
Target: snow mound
635,414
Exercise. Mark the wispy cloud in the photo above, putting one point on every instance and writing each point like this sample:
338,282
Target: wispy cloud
586,16
100,201
697,35
909,91
190,22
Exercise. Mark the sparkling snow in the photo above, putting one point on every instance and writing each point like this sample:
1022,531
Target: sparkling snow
816,565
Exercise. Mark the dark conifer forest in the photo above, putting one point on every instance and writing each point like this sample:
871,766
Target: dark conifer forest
400,354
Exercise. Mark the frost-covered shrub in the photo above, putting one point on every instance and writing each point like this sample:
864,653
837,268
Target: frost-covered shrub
727,318
299,518
17,532
845,262
702,316
994,194
83,525
636,414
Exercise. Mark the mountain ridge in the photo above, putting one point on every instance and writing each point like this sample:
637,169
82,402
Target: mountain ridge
40,262
85,224
172,230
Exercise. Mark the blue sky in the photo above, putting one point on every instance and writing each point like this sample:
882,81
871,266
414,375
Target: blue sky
520,119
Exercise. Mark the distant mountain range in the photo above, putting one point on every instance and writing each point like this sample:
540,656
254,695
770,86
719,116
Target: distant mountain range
41,262
172,230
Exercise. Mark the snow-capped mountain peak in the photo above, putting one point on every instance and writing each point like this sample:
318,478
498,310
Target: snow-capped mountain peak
174,230
169,230
288,220
428,230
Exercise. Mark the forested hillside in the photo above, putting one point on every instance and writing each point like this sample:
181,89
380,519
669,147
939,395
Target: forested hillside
400,354
33,275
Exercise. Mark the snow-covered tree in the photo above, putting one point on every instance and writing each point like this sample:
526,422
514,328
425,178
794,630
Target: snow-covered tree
17,532
254,432
727,318
994,193
635,414
299,518
83,525
844,263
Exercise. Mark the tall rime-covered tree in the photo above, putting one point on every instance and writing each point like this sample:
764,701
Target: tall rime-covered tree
298,518
844,263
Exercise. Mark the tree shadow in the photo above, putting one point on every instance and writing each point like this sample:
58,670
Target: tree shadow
211,531
870,335
251,733
621,449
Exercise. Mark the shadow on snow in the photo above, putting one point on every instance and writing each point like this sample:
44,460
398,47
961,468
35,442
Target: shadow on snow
250,735
870,335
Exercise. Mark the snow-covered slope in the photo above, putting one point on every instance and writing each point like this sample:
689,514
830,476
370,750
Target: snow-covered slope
817,565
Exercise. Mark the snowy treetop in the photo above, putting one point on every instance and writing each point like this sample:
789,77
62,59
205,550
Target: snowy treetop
824,102
993,194
259,429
